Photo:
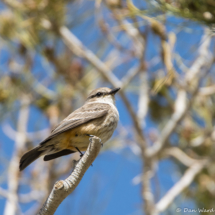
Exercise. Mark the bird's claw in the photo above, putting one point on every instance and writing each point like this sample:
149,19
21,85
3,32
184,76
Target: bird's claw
101,142
91,136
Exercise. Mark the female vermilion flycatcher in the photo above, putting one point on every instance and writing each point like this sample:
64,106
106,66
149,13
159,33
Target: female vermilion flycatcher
98,116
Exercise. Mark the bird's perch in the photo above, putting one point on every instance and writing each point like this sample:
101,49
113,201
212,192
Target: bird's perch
63,188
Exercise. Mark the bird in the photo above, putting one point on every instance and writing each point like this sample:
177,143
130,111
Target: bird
97,117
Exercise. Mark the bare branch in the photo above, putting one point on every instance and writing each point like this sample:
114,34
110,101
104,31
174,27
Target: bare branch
76,46
4,193
31,196
143,97
11,133
147,193
207,91
44,91
181,103
180,109
129,76
13,171
184,182
180,156
134,34
199,140
63,188
203,59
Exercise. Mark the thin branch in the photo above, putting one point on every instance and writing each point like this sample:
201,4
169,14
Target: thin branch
184,182
63,188
181,108
129,76
111,38
11,133
181,103
132,32
13,171
180,156
4,193
198,141
143,98
44,91
207,91
31,196
78,48
147,193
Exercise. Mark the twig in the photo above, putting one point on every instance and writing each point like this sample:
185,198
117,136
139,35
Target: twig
111,38
44,91
31,196
180,156
13,171
207,91
4,193
143,97
79,49
63,188
181,103
134,34
184,182
129,76
147,193
11,133
180,109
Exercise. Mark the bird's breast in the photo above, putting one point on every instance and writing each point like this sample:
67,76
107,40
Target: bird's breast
108,126
102,127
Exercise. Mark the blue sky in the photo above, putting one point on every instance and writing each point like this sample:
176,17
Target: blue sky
107,187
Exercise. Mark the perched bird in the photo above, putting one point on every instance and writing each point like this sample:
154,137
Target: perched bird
98,116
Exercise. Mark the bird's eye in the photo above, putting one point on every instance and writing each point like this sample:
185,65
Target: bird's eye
98,94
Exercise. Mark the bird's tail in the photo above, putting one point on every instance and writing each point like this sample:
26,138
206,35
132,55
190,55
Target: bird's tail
30,156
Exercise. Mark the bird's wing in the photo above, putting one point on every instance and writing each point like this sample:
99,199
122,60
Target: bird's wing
82,115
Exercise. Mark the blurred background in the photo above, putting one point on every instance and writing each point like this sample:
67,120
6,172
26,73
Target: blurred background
160,159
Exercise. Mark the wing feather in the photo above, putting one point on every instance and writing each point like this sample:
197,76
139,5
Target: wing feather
82,115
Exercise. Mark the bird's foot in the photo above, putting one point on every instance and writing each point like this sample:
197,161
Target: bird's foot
91,136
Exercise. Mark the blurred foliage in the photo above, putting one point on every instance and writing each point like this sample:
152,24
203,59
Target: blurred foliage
202,11
57,80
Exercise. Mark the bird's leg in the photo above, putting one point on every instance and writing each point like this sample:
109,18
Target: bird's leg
81,154
89,135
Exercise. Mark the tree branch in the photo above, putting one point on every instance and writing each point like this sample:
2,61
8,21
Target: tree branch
181,103
184,182
180,156
13,170
63,188
79,49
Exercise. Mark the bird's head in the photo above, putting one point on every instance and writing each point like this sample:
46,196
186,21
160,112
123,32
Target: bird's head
103,94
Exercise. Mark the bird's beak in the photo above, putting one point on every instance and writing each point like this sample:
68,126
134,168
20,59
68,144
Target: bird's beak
114,91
